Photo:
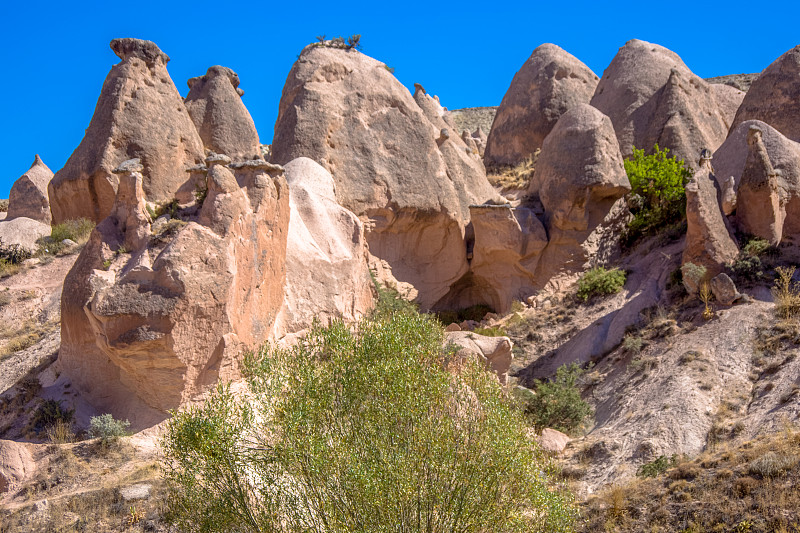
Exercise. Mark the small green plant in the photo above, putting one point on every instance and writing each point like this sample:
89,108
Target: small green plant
388,68
658,196
632,344
107,428
49,413
389,301
786,293
657,467
107,264
600,282
200,192
352,42
171,208
693,276
558,403
77,230
491,331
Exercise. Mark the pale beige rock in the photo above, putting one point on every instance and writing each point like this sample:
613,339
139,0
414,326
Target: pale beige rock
221,118
708,238
652,97
729,99
724,289
774,97
761,204
28,197
326,257
452,327
139,114
410,185
130,208
148,330
553,441
16,464
23,232
495,352
549,83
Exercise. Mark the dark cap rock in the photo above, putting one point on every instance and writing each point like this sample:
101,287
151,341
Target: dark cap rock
131,165
147,50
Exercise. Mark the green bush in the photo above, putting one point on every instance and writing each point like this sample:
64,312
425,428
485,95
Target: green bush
372,430
107,428
658,197
657,467
600,282
49,413
558,403
75,230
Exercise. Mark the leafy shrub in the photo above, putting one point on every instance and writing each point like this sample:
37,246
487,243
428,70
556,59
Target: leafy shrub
657,467
389,301
786,293
558,403
633,344
600,282
493,331
107,428
371,430
49,413
658,197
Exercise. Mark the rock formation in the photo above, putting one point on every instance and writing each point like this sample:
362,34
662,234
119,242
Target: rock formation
150,321
28,197
410,180
761,204
708,239
23,232
139,115
652,97
729,99
495,352
549,83
16,464
580,178
326,255
215,104
774,97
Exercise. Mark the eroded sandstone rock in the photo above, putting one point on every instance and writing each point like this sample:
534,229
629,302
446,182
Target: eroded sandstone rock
139,114
221,118
23,232
28,197
495,352
549,83
760,201
150,322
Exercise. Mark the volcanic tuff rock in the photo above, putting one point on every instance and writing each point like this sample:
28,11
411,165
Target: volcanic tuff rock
139,114
326,254
652,97
549,83
28,197
215,105
146,328
495,352
409,180
16,464
774,97
23,231
761,205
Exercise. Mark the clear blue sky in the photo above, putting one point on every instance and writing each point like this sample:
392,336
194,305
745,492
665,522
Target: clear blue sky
56,54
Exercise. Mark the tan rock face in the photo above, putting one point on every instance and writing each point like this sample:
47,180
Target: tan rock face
326,257
549,83
221,118
652,97
23,232
28,197
16,464
139,115
553,441
409,184
760,202
774,97
495,352
708,239
148,328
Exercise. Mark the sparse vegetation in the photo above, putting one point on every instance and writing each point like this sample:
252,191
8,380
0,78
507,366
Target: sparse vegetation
49,413
600,282
4,205
11,258
107,428
658,197
376,429
491,331
77,231
352,42
517,177
786,293
558,403
657,467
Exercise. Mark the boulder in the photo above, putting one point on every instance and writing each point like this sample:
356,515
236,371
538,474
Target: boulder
652,97
724,289
580,180
708,238
495,352
549,83
553,441
28,197
761,205
326,257
23,232
394,164
774,97
215,104
16,464
151,322
139,114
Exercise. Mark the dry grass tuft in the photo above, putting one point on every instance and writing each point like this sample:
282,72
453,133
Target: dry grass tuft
518,177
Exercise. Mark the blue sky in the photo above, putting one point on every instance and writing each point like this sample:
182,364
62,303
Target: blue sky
56,54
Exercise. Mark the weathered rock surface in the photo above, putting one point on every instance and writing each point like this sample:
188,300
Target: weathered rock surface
28,197
495,352
549,83
761,204
580,179
708,239
326,257
139,114
553,441
729,99
652,97
724,289
221,118
16,464
408,180
23,232
774,97
146,328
